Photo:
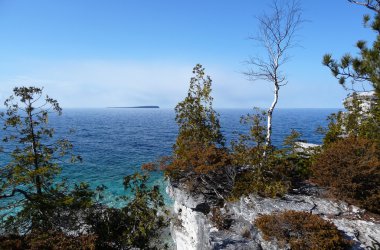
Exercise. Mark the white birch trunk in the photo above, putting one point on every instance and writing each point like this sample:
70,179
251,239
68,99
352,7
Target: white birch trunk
270,113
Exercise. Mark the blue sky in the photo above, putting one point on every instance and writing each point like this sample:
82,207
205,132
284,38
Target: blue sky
98,53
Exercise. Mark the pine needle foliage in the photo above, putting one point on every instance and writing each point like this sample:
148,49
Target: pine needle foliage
364,69
200,145
27,181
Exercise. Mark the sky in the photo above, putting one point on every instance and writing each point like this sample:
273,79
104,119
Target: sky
100,53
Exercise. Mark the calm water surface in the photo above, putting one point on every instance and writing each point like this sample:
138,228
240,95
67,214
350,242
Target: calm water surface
115,142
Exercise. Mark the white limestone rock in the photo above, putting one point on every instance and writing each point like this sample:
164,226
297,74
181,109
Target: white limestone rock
191,229
364,233
194,230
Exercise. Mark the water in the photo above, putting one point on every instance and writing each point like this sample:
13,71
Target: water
115,142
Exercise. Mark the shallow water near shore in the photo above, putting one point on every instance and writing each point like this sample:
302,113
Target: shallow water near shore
115,142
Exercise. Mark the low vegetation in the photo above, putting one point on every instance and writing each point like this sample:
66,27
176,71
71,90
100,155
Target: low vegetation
265,170
48,241
219,219
350,168
301,230
137,224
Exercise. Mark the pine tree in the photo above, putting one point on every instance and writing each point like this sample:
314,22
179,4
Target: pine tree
364,68
27,181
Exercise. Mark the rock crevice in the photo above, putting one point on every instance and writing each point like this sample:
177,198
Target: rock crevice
193,228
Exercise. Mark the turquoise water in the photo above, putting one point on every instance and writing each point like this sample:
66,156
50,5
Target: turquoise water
115,142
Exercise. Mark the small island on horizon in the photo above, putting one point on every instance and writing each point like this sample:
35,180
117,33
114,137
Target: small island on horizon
136,107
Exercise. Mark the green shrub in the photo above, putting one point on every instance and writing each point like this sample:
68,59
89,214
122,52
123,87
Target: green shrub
270,172
355,121
136,224
257,182
301,230
350,168
251,151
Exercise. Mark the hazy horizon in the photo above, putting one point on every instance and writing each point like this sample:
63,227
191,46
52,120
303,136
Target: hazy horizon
95,54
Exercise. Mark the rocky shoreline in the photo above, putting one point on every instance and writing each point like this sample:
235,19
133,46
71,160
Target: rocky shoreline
192,227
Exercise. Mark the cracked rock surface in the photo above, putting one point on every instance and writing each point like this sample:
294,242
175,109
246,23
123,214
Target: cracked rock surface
193,229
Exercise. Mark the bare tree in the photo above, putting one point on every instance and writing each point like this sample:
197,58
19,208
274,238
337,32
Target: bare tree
276,36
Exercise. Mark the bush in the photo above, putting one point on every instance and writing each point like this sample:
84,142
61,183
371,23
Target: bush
47,240
258,182
57,211
301,230
271,172
250,150
135,225
361,119
221,221
274,178
350,168
197,159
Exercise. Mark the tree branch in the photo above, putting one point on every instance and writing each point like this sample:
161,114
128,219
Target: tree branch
369,4
276,35
13,193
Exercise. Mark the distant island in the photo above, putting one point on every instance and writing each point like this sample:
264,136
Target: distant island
136,107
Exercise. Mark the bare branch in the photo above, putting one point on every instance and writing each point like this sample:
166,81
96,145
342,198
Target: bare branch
276,36
370,4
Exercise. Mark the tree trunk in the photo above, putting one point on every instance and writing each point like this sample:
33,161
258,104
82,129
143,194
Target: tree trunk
270,113
34,146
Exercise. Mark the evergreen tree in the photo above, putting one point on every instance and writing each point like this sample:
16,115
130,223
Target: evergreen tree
364,68
199,151
27,181
196,118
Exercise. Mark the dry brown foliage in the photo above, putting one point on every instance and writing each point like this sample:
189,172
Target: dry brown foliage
48,241
201,169
220,220
301,230
350,168
160,164
199,159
